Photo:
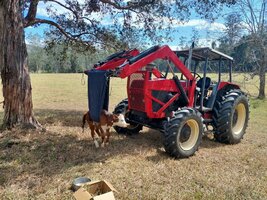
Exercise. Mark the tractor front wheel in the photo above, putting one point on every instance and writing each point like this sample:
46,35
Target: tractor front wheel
183,133
122,108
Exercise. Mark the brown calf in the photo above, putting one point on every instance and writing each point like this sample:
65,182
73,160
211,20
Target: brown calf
102,128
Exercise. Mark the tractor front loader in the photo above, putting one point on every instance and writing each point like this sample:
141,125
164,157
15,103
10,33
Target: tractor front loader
182,108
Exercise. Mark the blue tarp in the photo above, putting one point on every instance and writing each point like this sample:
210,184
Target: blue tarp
98,92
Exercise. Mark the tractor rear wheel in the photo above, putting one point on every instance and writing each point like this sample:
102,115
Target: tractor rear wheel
183,133
122,108
230,118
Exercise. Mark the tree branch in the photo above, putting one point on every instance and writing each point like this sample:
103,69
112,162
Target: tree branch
31,13
262,17
52,23
129,6
65,6
253,16
68,35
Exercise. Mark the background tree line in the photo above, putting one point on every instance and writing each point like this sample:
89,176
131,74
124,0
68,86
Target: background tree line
63,59
60,58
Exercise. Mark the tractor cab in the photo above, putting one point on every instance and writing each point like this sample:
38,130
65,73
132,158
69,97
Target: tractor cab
205,64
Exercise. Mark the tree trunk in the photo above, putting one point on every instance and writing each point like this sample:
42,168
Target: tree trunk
262,71
17,90
262,84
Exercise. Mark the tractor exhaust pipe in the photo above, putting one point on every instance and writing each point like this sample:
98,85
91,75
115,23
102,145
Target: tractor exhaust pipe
183,94
178,84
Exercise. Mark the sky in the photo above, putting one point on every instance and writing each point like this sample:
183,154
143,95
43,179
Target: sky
207,32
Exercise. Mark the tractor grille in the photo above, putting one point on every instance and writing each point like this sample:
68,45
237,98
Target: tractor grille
136,92
137,76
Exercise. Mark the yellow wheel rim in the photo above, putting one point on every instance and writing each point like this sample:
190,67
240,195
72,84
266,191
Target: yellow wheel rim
239,118
189,141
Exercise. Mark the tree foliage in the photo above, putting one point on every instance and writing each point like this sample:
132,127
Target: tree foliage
92,24
250,50
105,26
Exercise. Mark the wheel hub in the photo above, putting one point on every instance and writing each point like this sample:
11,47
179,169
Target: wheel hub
235,117
189,134
185,133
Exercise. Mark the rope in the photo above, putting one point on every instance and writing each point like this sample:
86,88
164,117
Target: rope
83,79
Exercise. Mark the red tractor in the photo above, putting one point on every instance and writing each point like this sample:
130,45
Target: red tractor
182,108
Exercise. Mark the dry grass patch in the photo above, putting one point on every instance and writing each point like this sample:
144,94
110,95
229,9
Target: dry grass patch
42,165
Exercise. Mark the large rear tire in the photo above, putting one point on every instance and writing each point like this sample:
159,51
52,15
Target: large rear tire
230,118
183,133
122,108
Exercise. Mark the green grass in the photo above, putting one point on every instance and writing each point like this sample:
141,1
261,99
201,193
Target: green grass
42,165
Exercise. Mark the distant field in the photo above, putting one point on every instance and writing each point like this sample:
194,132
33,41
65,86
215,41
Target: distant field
37,165
69,91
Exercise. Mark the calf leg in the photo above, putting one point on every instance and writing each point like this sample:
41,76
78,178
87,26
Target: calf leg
103,136
98,131
107,135
85,118
93,127
104,142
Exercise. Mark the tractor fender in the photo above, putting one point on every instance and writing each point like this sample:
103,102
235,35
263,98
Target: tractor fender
227,86
221,89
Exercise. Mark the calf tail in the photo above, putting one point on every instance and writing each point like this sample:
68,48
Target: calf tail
84,120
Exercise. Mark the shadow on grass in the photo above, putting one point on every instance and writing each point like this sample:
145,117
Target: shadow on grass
48,154
209,144
51,153
71,118
162,155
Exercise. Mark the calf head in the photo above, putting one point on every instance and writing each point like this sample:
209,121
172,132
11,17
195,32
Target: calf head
119,120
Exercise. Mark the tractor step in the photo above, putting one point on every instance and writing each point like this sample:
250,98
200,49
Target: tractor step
204,109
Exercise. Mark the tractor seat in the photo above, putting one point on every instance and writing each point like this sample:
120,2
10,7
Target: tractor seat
207,83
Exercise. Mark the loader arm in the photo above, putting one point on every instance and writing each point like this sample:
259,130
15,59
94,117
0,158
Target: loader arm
136,63
116,60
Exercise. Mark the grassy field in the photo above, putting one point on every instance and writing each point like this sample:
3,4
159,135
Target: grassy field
42,165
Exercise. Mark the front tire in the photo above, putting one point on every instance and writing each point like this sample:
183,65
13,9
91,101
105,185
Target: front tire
231,114
122,108
183,133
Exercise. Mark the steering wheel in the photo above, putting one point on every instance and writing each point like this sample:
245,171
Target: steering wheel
196,75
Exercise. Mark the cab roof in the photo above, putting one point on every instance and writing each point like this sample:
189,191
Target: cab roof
200,54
